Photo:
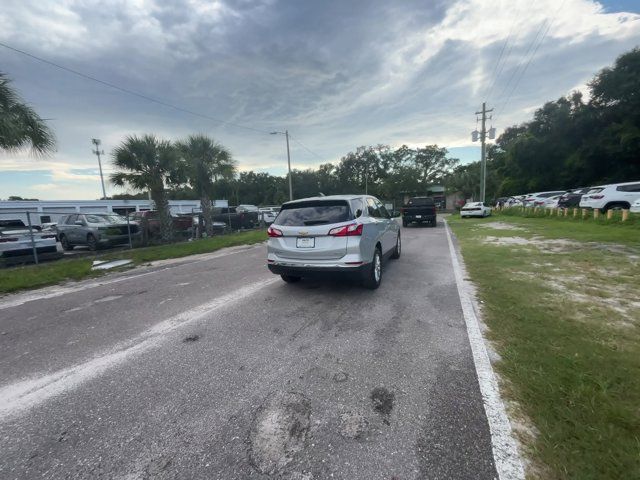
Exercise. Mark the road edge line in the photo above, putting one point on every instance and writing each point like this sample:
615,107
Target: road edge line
507,459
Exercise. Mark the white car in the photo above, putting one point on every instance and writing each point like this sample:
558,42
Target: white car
15,240
614,196
475,209
635,206
552,202
267,215
538,199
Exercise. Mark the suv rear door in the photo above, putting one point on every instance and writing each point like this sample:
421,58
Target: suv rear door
305,227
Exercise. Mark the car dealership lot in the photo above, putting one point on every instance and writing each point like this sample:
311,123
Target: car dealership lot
181,369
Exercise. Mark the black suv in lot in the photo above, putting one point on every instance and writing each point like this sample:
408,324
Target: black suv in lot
572,198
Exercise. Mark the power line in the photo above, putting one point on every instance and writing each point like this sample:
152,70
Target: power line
521,63
305,147
129,92
546,31
495,69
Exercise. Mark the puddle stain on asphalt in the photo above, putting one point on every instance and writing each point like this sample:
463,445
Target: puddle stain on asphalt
382,402
191,338
279,431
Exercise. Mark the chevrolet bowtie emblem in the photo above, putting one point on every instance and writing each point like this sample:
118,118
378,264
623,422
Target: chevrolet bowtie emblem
302,232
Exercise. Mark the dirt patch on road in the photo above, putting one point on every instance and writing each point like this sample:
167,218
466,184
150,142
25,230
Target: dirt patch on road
279,431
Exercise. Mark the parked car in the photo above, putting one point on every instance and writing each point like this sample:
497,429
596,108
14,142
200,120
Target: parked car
571,198
475,209
614,196
267,215
149,223
551,202
236,219
247,208
419,210
15,241
218,227
635,206
537,199
95,230
348,234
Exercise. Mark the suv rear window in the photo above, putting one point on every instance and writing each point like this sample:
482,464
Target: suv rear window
420,201
315,212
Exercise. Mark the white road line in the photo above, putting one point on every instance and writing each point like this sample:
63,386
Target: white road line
50,292
505,450
23,395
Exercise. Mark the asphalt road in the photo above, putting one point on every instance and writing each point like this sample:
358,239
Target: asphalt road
211,367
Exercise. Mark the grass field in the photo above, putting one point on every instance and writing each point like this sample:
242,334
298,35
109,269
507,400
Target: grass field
561,299
50,273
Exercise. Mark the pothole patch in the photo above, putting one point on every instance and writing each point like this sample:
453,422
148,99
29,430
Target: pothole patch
382,402
340,377
279,431
353,425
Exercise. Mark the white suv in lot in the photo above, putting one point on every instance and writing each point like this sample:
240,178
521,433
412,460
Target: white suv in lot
347,234
615,196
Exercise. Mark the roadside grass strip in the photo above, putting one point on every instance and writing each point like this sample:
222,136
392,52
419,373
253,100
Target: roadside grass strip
51,273
562,307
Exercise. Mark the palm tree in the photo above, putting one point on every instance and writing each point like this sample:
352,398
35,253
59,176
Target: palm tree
20,125
205,161
148,163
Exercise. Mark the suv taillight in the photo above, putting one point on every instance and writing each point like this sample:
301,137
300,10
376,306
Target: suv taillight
274,232
596,197
353,230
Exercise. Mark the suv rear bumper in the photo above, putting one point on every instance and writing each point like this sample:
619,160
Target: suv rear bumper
421,218
315,270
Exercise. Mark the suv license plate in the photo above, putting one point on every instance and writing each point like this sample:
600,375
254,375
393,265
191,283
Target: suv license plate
418,216
305,242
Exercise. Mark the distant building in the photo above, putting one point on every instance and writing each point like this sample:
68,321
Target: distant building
46,211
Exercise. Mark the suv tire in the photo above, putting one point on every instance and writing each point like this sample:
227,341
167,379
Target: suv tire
616,206
92,243
373,274
66,246
398,250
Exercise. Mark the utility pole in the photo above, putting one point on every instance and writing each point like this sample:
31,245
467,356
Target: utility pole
98,152
483,137
286,134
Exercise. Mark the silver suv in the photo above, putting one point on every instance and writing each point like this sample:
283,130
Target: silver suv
350,234
95,230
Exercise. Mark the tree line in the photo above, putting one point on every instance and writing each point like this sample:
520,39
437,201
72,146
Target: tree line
570,142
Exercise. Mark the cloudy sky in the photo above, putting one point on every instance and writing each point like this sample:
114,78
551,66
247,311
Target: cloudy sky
336,73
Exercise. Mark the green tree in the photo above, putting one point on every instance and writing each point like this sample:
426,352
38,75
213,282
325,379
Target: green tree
148,163
205,161
20,126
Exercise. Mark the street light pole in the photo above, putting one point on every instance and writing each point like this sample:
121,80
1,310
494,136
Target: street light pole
286,134
98,152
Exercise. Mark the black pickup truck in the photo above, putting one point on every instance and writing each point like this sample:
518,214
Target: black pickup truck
419,210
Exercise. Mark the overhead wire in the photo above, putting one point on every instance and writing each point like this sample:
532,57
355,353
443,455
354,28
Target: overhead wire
305,147
531,57
130,92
